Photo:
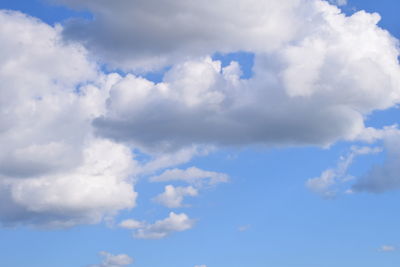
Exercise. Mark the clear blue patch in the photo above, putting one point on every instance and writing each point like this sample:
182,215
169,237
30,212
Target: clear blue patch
382,118
156,76
245,60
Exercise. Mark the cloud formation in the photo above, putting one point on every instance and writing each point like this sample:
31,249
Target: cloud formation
315,90
328,184
53,171
384,177
193,176
111,260
172,197
387,248
145,34
160,229
69,132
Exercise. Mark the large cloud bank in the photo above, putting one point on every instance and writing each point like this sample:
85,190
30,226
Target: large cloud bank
67,129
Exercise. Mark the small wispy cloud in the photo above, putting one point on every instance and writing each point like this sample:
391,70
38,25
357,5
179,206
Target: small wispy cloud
244,228
327,183
387,248
339,2
110,260
160,229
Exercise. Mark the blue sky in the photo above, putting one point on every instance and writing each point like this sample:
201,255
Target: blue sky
286,157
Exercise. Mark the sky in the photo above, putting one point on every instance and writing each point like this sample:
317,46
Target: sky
224,133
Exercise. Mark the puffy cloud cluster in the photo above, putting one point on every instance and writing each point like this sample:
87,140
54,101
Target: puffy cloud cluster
67,130
313,91
111,260
172,197
53,171
97,187
160,229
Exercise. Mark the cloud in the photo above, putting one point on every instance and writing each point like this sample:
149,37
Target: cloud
53,171
379,179
314,91
172,197
203,265
132,224
111,260
145,34
244,228
384,177
70,133
37,93
327,184
387,248
166,159
97,188
162,228
192,175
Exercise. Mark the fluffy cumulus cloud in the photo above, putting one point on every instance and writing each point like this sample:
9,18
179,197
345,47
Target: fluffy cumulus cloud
97,187
67,130
160,229
172,197
315,90
199,179
53,171
111,260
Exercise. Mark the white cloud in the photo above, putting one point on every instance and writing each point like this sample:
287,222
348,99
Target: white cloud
326,185
203,265
163,228
132,224
151,33
53,172
99,187
172,197
384,177
67,131
111,260
315,91
167,159
192,175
